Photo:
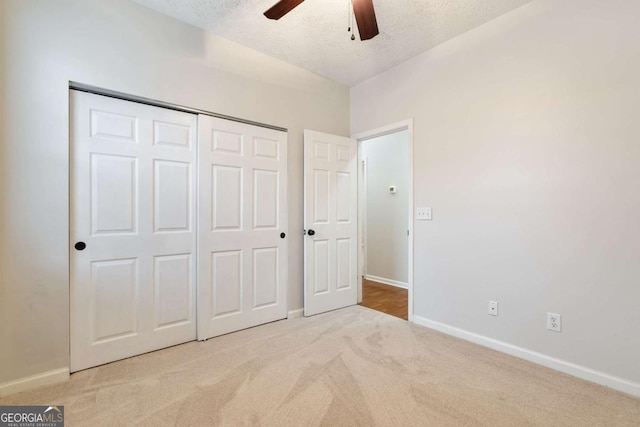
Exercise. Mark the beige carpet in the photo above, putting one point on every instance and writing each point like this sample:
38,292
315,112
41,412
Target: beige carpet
350,367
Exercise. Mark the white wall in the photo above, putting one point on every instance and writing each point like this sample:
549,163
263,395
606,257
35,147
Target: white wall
118,45
527,146
387,214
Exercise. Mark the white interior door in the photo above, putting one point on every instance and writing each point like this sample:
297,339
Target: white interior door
133,240
242,226
330,218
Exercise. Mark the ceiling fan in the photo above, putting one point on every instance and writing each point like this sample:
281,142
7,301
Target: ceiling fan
362,9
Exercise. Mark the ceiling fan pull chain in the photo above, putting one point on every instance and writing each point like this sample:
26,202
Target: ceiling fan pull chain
353,37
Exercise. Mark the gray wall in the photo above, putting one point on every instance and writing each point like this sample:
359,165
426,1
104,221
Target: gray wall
527,147
121,46
387,215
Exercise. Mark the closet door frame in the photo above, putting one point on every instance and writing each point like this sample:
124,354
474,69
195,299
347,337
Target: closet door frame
283,225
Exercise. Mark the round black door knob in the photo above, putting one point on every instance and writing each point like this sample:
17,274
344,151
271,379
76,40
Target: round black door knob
282,235
80,246
311,232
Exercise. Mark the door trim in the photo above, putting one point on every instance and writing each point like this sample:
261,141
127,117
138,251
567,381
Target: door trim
362,222
362,136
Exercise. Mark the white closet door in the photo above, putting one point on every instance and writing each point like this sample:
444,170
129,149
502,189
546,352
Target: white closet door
331,222
133,170
242,246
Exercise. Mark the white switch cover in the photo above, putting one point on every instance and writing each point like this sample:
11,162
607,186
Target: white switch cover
423,214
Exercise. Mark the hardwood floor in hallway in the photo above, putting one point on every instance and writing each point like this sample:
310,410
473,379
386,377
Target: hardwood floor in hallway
385,298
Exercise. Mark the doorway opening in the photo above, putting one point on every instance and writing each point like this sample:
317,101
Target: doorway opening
385,206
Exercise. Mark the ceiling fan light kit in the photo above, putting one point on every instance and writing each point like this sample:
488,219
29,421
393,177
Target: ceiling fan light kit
362,9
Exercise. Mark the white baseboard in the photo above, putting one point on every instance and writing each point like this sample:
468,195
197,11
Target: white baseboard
39,380
294,314
391,282
585,373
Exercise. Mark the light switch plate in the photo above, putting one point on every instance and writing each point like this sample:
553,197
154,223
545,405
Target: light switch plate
423,214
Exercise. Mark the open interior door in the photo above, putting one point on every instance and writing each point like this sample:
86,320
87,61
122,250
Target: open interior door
330,222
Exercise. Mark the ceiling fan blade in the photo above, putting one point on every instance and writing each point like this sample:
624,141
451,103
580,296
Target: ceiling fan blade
281,8
366,19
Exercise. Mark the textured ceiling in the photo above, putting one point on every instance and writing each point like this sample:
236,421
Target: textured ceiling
314,35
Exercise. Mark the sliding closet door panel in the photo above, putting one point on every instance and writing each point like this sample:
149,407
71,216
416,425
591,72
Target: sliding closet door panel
133,207
242,226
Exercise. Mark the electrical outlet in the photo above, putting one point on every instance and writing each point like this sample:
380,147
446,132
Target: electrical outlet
554,322
493,308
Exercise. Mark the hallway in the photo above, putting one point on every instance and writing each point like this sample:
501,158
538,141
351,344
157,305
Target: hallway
385,298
